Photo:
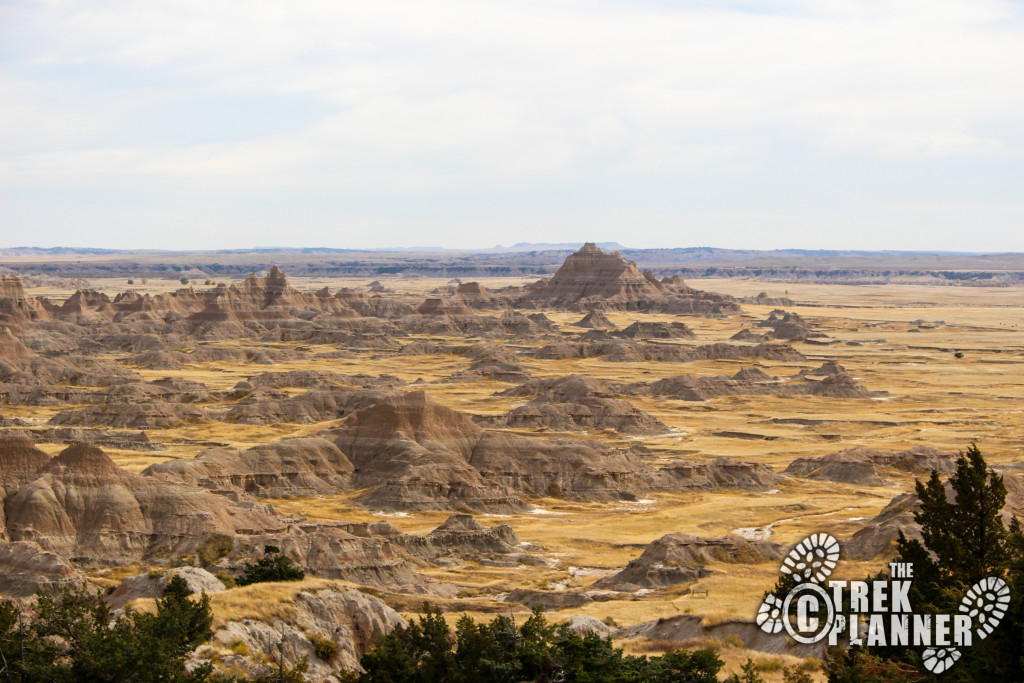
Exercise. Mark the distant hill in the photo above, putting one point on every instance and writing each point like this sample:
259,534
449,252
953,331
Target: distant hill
526,259
559,246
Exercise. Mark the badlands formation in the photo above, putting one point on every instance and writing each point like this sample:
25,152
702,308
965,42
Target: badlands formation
600,443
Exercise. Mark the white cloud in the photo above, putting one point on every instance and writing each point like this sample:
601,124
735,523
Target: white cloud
417,96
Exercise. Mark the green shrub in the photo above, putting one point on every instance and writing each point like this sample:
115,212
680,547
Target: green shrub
213,548
324,648
270,568
768,665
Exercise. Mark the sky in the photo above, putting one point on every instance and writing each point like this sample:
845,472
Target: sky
191,124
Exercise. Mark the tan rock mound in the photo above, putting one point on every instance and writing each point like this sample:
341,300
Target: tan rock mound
548,599
318,405
461,536
719,473
160,360
514,322
681,629
594,320
568,388
11,348
331,552
153,586
354,621
149,415
20,460
624,351
316,378
879,535
448,307
681,558
15,307
747,335
559,467
104,438
654,330
585,414
293,467
492,369
789,326
864,466
576,403
751,381
25,568
591,278
417,454
592,273
85,507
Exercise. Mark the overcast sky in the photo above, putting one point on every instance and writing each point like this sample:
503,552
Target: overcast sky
866,124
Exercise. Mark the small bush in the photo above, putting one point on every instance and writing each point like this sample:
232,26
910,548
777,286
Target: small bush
768,665
734,640
213,548
810,664
749,674
324,648
238,646
271,550
131,282
270,568
183,280
796,676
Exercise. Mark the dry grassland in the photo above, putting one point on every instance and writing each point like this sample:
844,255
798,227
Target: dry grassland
934,399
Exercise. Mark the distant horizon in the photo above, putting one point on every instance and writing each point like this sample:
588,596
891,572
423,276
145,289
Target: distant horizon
529,246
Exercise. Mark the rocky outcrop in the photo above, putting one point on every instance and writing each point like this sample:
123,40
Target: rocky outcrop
293,467
878,536
20,460
588,413
127,415
25,568
576,403
864,466
719,473
15,307
352,620
460,536
331,552
318,405
152,585
309,379
623,351
83,506
681,558
789,326
685,628
594,320
496,367
752,381
548,599
591,278
414,453
655,330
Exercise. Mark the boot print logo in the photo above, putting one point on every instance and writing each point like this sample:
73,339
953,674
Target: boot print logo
877,613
